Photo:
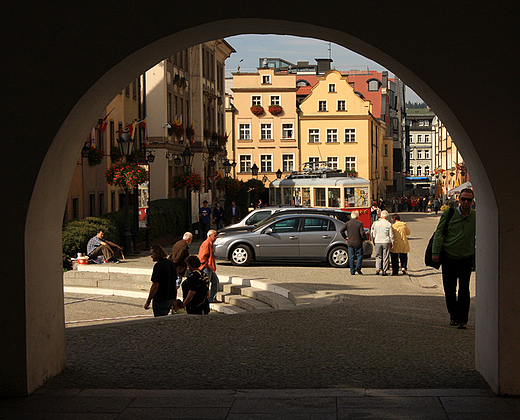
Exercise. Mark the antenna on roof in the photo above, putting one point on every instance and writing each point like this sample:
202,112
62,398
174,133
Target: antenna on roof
330,50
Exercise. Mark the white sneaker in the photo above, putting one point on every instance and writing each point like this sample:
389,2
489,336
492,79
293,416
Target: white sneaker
403,271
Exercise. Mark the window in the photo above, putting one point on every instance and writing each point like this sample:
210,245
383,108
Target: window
419,171
275,100
315,225
288,131
427,154
92,204
332,135
426,170
411,171
426,123
286,225
266,163
112,201
426,138
256,100
332,162
334,197
419,138
350,163
244,131
419,154
266,79
411,154
421,123
314,135
342,105
101,204
322,106
386,172
350,135
245,163
314,160
75,208
320,197
266,131
411,138
386,149
373,85
332,88
287,163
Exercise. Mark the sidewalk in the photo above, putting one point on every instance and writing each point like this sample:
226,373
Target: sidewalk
384,350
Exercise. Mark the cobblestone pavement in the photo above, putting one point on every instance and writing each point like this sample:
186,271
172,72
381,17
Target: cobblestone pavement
383,332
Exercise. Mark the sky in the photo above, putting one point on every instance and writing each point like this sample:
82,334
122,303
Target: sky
291,48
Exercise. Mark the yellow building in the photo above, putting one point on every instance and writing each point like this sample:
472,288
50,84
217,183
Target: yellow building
264,121
338,127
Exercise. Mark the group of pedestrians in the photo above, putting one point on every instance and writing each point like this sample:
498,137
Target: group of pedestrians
200,286
217,216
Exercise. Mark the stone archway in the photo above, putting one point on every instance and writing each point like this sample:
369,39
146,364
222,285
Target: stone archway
38,336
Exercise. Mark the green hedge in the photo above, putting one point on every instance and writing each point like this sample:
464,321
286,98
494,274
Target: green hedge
77,233
167,217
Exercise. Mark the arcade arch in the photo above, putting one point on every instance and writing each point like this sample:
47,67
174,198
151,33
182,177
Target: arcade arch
43,221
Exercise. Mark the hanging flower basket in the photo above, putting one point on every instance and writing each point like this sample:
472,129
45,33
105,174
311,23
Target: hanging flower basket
115,154
176,130
222,140
190,133
351,172
257,110
126,175
207,134
214,136
95,156
191,180
230,185
275,109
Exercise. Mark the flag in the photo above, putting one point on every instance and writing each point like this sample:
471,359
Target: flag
130,129
103,125
92,138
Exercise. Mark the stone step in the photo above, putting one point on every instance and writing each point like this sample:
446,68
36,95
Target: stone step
227,309
247,303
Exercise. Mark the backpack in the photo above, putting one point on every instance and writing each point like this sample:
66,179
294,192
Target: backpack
428,261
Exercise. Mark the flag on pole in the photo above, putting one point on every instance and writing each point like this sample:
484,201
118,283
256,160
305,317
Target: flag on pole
92,142
103,125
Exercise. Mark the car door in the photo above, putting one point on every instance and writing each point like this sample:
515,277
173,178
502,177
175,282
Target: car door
279,240
315,236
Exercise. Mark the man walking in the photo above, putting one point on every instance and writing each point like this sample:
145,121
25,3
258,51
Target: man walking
383,237
162,291
354,233
208,265
233,214
180,252
458,252
218,216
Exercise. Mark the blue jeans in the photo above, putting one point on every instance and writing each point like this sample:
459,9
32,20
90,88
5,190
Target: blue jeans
162,308
213,280
355,253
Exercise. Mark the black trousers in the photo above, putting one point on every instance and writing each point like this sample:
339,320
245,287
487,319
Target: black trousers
453,270
395,257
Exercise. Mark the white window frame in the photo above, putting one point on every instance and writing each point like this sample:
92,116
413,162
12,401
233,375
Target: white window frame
315,134
426,138
333,162
275,100
266,163
314,159
419,154
244,131
350,135
266,79
426,170
351,163
343,104
256,100
332,87
419,138
245,162
322,106
411,138
419,170
332,135
411,155
427,153
287,162
266,131
285,129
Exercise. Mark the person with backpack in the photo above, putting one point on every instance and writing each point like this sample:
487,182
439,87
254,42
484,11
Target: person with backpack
195,289
454,247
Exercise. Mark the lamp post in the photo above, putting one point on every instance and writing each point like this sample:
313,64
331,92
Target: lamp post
254,170
125,147
187,156
150,159
278,174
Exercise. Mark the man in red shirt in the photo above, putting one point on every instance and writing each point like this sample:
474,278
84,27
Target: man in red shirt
208,265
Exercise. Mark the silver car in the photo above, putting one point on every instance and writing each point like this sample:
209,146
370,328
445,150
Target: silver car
287,237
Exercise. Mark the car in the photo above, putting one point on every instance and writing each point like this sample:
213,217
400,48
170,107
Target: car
257,216
287,237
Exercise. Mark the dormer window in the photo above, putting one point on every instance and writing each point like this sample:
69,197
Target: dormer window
373,85
266,79
332,88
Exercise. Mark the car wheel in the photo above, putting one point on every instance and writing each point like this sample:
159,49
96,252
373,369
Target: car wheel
338,257
241,255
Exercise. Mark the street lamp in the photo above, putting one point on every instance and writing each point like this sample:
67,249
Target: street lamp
254,170
227,167
150,159
125,146
187,156
278,174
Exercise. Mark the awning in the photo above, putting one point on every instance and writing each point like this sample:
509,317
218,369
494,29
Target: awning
458,189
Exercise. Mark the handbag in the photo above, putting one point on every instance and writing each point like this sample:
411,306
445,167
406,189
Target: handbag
428,261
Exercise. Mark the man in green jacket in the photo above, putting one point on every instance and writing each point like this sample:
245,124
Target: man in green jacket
458,253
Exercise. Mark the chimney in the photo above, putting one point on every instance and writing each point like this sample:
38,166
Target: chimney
323,65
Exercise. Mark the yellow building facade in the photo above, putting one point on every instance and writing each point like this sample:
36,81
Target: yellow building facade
337,127
264,124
